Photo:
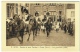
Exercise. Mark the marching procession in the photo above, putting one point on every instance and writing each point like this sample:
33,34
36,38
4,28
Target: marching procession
30,24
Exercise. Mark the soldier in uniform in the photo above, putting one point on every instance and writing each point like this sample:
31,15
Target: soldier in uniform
7,30
65,27
48,27
21,29
10,27
26,18
37,21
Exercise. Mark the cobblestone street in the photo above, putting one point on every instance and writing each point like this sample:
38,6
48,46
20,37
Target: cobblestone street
54,39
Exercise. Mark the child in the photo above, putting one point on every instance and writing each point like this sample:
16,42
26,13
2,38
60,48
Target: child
57,27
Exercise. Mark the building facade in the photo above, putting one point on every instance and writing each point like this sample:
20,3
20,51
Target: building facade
57,10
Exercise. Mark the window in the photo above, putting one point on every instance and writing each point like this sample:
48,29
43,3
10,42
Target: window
70,6
72,14
8,15
37,4
27,4
60,12
17,8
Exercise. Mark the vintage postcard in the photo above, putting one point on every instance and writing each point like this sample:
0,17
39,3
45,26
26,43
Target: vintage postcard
37,26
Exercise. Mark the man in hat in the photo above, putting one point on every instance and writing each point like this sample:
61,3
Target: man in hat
36,15
38,21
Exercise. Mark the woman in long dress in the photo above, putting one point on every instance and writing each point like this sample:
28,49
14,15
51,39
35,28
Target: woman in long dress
57,26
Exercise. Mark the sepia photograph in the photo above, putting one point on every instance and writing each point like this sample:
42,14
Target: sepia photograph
40,24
